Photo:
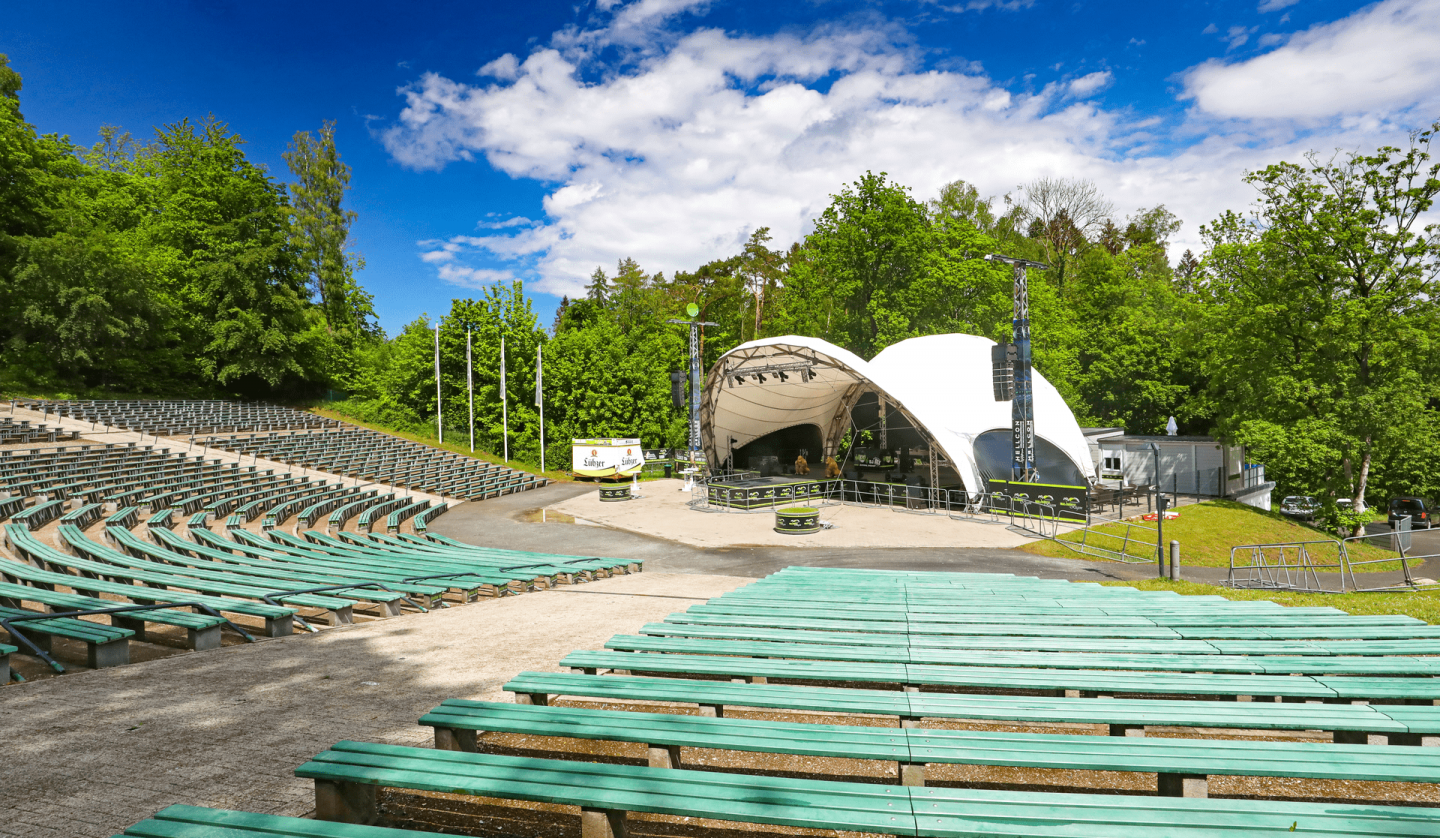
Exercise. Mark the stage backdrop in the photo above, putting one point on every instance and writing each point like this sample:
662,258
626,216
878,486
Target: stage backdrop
606,457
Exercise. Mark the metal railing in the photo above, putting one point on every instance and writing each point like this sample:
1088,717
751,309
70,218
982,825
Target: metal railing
1330,566
1035,515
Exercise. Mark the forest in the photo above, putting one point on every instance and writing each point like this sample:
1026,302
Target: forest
1304,329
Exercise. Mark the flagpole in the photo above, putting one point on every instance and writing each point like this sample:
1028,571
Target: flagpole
504,402
540,402
470,386
439,416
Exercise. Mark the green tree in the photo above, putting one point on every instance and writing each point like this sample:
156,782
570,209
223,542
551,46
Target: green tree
1323,315
868,248
321,230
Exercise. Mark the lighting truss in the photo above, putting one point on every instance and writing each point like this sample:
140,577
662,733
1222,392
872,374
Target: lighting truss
762,374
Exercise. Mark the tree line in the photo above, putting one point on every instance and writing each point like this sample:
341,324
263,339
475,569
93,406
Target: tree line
1304,329
173,265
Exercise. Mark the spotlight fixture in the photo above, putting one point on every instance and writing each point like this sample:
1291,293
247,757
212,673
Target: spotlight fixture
783,376
739,379
760,377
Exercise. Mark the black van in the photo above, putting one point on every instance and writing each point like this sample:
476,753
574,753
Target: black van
1421,512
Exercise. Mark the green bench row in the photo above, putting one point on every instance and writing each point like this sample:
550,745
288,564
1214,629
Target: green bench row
458,723
1350,723
349,774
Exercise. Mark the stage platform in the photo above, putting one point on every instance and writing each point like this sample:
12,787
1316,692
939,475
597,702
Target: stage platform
764,492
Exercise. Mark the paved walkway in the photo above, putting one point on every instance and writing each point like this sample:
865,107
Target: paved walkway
497,523
662,510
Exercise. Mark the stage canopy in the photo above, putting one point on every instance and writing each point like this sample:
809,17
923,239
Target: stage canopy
939,384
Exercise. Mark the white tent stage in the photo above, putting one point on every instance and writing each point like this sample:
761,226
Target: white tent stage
785,394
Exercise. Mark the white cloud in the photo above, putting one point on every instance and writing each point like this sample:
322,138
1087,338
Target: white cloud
1275,5
1379,60
1091,84
672,156
517,221
473,277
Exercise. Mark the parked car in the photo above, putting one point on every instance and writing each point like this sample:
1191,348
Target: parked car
1300,507
1420,511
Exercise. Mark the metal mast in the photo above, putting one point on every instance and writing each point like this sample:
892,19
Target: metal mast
1022,408
694,311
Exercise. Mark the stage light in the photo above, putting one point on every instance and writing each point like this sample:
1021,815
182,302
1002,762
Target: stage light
739,379
783,376
760,377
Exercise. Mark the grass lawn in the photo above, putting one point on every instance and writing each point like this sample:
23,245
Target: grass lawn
1207,531
459,446
1420,605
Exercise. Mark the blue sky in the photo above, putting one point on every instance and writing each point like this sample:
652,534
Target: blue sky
539,140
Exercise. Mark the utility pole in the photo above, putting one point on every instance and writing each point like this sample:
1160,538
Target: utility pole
504,402
439,416
695,326
470,386
1022,407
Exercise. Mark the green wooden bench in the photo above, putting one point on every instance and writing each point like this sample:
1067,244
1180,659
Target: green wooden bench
116,565
465,579
86,579
349,774
104,645
1184,765
661,637
1125,717
126,517
393,521
40,514
146,557
198,822
727,661
202,630
284,566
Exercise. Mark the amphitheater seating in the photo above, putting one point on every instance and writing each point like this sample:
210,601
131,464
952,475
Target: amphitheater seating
203,630
14,432
104,645
380,458
93,576
176,417
349,774
894,623
458,721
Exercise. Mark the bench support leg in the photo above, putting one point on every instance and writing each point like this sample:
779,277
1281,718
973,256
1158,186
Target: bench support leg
602,823
4,670
456,739
1127,730
135,625
537,699
343,616
203,639
664,756
912,773
1360,737
713,711
102,655
1412,739
279,626
388,609
1183,785
908,722
345,802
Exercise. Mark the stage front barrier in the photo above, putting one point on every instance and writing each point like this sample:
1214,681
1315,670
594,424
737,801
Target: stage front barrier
745,492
